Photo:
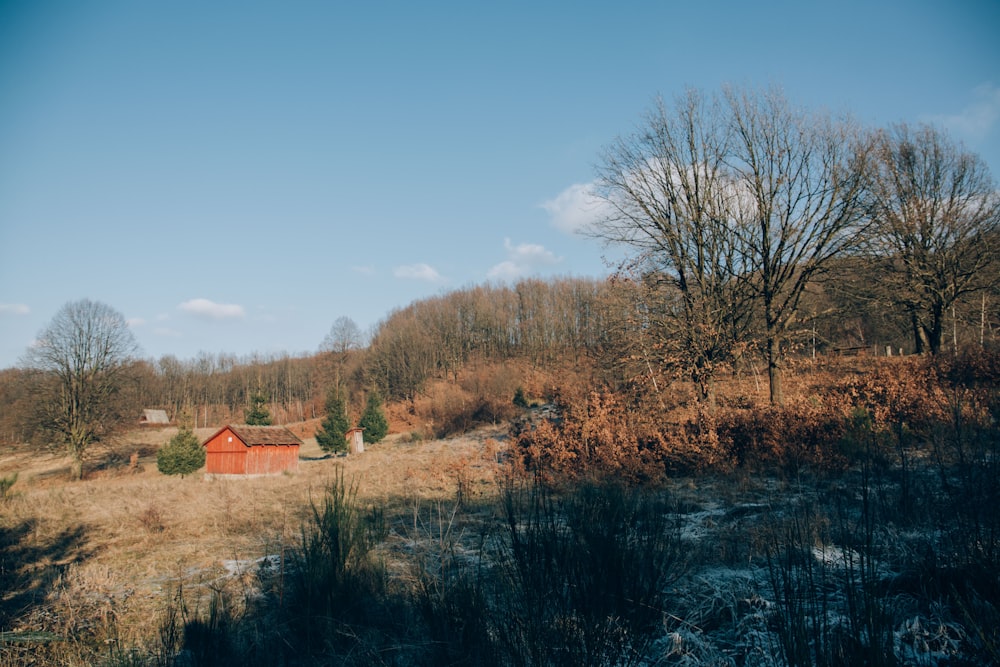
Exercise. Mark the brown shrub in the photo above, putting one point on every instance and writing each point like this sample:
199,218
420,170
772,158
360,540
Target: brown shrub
896,394
853,410
974,367
152,519
806,433
601,436
449,409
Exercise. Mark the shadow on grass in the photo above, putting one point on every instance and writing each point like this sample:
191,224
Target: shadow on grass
572,578
30,566
324,457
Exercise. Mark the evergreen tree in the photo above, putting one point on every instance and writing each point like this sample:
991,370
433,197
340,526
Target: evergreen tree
520,400
373,420
332,435
183,455
257,414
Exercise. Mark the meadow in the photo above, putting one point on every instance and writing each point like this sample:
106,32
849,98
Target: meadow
855,525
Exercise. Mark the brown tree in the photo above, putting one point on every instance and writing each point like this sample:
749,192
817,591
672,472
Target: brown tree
344,339
669,191
344,336
82,360
736,204
938,222
799,179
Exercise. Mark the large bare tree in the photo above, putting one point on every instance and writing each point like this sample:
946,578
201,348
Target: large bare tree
344,336
670,195
737,203
801,176
938,221
82,359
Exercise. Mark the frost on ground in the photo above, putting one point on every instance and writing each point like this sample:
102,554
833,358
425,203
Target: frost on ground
805,581
264,565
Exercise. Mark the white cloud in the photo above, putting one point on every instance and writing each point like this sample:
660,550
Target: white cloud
576,208
364,270
134,322
212,310
418,272
506,270
14,309
522,259
979,118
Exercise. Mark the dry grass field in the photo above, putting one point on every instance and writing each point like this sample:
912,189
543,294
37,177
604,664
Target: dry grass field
112,546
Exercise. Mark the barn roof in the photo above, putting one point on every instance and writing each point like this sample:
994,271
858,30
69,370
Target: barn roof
262,435
154,417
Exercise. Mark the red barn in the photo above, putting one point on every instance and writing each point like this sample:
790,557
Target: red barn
251,450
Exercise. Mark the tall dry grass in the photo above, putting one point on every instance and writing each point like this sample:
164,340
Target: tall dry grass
95,561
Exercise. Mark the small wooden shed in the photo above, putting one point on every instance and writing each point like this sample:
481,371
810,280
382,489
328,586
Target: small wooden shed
356,440
154,418
251,451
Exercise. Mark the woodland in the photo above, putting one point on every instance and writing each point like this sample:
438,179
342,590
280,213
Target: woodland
566,336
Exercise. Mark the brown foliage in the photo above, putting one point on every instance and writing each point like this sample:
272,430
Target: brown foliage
895,393
599,435
603,437
804,433
478,395
890,403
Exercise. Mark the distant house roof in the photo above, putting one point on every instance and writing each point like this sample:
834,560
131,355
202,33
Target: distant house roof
154,417
263,435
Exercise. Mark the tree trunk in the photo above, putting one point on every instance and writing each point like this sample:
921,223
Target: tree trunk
704,386
919,337
774,378
76,468
936,331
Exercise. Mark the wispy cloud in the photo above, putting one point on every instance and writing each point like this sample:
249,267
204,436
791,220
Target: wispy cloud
418,272
979,118
364,270
134,322
212,310
576,208
14,309
522,259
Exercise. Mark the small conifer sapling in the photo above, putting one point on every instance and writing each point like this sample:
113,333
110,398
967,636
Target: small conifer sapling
257,414
183,455
373,420
332,435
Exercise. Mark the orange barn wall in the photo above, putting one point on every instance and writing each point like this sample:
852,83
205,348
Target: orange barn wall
226,463
223,457
234,458
272,459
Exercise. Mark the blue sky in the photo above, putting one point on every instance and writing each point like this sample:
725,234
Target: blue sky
234,176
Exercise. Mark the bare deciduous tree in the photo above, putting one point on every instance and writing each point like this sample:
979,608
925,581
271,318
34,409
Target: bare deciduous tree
669,190
801,176
344,336
738,204
83,357
938,219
